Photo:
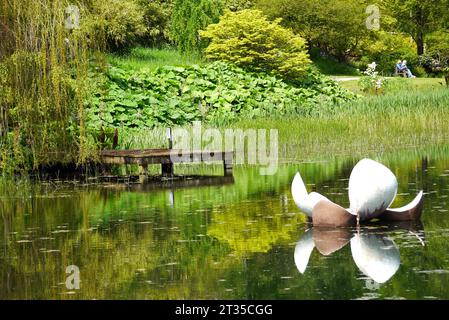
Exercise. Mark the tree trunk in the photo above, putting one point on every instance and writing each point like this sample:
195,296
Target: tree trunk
3,121
420,43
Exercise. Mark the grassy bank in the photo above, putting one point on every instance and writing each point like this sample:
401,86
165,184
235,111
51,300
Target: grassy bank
369,126
398,85
410,114
141,58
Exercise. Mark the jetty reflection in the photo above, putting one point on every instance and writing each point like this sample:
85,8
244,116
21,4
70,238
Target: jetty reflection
373,251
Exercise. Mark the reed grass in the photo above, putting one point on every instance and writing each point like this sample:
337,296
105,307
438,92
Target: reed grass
373,125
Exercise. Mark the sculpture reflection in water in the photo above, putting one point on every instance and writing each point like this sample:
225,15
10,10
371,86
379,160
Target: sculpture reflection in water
373,251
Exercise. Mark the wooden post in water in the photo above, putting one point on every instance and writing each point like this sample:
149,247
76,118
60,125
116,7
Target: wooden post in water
167,168
143,173
227,164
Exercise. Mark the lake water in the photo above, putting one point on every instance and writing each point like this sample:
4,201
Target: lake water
230,239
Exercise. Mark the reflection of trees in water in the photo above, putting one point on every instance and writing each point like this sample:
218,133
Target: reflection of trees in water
135,251
109,254
253,229
237,233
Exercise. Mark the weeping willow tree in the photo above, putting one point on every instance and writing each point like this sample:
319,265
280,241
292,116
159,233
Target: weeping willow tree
44,57
191,16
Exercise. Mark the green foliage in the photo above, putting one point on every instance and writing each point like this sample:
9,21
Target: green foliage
436,58
190,16
217,93
438,43
247,39
157,15
334,26
150,58
237,5
386,49
330,66
417,18
43,67
119,22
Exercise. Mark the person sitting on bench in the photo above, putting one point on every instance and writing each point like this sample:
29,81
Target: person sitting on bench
399,70
407,70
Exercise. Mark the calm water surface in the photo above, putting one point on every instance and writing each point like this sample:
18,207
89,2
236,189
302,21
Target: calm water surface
244,239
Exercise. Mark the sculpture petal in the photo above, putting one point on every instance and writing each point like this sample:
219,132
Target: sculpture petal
303,250
328,214
372,189
411,211
302,198
330,240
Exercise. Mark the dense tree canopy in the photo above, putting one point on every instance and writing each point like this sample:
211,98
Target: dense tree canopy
120,22
334,26
157,16
418,18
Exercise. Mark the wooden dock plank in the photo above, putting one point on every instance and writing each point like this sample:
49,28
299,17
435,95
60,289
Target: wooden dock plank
165,157
158,156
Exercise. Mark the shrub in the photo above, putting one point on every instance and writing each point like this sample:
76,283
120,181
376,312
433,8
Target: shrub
438,44
249,40
157,15
436,58
433,64
190,16
386,49
329,65
237,5
119,22
217,93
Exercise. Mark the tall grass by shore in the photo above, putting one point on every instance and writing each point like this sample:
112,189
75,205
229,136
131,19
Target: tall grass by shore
141,58
374,125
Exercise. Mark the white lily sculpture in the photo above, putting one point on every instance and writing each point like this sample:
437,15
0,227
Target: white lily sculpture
372,189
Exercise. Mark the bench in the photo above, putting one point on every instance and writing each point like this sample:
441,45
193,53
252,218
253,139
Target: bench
398,73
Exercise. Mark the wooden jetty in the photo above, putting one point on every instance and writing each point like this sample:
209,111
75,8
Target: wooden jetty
166,158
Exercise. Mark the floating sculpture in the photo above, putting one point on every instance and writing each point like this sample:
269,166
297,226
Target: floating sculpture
372,189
